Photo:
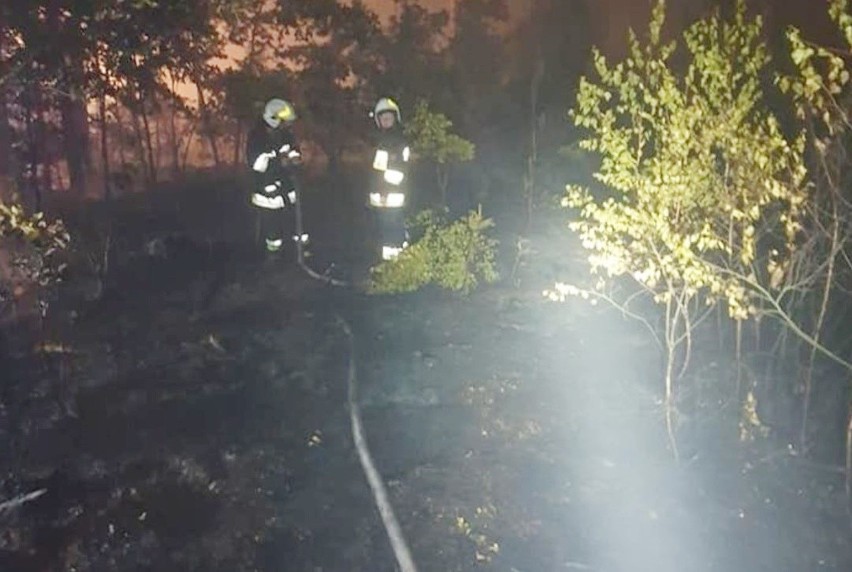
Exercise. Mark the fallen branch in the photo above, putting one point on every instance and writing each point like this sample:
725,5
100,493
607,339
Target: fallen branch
21,500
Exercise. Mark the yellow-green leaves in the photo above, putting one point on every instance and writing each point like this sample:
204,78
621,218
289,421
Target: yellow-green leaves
820,74
34,228
44,238
695,162
455,256
839,12
431,137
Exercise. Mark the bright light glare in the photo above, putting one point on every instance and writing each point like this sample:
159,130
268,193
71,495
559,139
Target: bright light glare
644,515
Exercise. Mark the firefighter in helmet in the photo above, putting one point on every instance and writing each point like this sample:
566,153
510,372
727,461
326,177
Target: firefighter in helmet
390,168
272,154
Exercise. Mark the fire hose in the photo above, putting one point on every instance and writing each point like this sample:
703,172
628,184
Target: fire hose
401,551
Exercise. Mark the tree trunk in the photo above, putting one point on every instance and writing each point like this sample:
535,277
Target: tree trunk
149,146
140,147
187,145
72,102
119,138
238,144
173,137
75,138
206,124
157,140
105,167
443,173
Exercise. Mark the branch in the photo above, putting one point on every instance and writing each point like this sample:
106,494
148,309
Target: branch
785,318
21,500
707,313
621,306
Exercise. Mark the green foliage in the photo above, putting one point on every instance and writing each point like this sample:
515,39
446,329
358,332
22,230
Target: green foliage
30,245
839,12
455,256
821,74
432,139
114,45
698,168
821,92
14,222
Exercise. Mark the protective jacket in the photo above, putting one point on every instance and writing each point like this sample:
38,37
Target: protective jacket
392,155
270,154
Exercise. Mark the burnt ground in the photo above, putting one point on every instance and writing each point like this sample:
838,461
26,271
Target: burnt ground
194,419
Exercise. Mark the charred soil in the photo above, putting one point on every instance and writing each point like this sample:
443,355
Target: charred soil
195,419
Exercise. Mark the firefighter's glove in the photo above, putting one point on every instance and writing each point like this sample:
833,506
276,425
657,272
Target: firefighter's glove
292,154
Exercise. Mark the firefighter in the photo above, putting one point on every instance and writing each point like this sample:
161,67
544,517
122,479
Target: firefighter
272,154
390,167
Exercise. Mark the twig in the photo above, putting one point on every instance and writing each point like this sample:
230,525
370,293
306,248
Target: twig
784,317
622,307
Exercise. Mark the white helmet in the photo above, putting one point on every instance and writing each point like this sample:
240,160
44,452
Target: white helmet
386,104
278,110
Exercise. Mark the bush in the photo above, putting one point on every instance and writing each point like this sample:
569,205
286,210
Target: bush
455,256
29,249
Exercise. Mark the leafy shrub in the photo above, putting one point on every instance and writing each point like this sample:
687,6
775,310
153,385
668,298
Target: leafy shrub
455,256
432,139
29,251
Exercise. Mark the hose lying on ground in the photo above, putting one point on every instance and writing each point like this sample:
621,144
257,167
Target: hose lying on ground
380,495
377,486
